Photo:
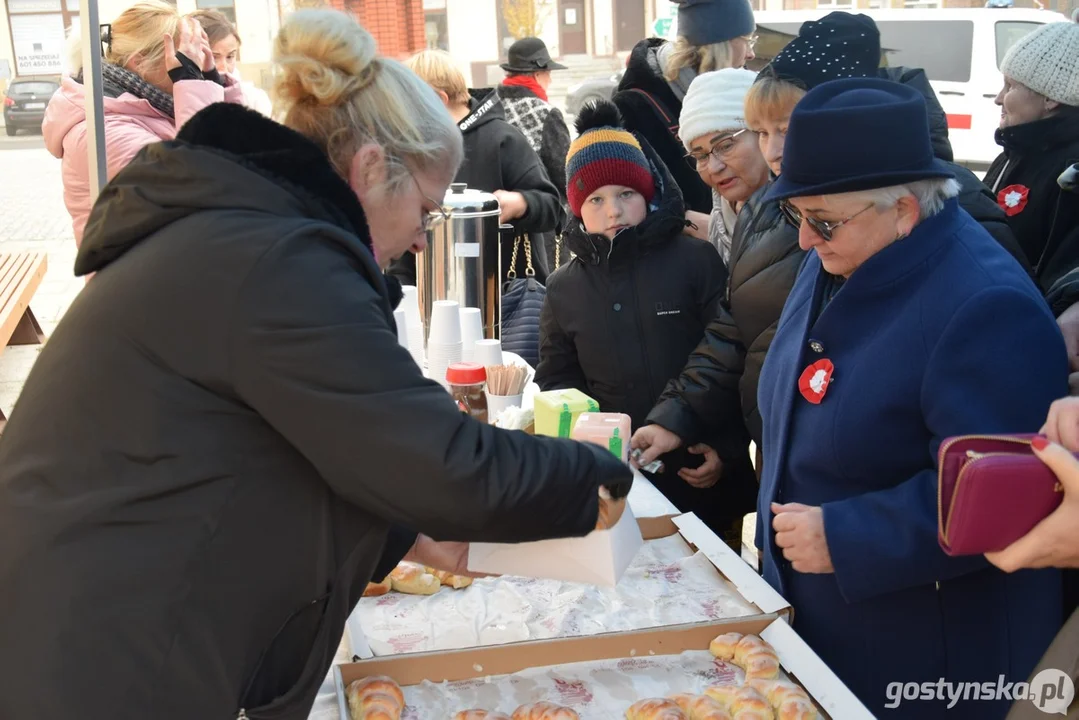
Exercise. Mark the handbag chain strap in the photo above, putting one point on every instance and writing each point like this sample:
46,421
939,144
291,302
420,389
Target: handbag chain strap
529,270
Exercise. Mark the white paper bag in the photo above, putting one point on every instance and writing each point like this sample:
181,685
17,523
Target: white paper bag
599,558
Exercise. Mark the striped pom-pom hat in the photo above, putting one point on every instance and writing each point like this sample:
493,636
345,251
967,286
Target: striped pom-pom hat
604,153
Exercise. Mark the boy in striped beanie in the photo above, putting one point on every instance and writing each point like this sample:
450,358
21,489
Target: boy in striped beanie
622,317
609,181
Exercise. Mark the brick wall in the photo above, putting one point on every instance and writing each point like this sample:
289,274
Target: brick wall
396,24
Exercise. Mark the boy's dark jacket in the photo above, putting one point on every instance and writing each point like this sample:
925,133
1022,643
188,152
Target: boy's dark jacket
621,319
498,157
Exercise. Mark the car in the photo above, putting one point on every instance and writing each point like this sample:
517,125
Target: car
591,90
25,103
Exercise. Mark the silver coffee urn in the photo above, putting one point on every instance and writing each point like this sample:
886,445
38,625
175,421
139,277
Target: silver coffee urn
462,260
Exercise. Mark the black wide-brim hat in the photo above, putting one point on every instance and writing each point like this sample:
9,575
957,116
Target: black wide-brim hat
529,55
856,134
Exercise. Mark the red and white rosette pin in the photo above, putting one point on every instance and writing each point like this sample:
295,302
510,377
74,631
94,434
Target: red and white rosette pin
1013,199
815,380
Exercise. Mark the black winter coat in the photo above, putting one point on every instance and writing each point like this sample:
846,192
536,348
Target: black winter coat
619,322
642,116
205,465
498,157
724,371
1047,224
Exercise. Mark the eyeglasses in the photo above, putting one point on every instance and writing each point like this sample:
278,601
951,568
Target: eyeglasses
105,31
721,150
435,217
751,40
822,228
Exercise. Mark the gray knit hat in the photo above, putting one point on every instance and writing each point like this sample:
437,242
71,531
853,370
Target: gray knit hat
1047,62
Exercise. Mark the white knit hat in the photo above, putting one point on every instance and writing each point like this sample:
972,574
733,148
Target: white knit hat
1047,62
715,101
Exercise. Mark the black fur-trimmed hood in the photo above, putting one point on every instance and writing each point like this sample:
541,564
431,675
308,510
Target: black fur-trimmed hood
226,156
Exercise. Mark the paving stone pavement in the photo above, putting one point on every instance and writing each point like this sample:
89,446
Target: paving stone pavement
33,217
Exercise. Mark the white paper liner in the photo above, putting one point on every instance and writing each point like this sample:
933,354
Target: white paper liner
667,584
597,690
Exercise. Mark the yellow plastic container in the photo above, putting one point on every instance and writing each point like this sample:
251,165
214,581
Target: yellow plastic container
557,411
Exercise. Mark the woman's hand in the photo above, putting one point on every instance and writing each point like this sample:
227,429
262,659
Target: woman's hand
1054,542
449,556
653,441
800,533
708,473
193,44
512,204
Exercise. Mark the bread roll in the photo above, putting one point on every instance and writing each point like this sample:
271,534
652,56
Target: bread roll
700,707
723,646
780,692
380,588
764,687
655,709
761,665
723,694
448,579
375,698
414,580
745,646
796,709
480,715
748,700
544,711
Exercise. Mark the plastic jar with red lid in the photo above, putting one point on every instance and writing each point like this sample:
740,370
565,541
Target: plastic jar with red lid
466,382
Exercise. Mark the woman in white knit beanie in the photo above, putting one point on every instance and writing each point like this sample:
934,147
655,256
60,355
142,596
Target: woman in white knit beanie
722,149
1039,131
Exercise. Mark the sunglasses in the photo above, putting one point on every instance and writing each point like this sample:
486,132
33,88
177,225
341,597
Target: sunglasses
824,229
105,33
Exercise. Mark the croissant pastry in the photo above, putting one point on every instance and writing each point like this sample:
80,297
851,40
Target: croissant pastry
414,580
761,665
375,698
457,582
746,701
723,646
655,709
700,707
544,711
796,709
723,694
747,645
380,588
480,715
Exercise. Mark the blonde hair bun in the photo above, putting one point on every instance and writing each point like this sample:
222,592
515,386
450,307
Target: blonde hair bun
324,57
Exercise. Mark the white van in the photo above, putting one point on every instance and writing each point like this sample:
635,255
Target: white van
959,49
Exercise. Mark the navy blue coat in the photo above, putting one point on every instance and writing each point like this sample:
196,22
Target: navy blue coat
939,334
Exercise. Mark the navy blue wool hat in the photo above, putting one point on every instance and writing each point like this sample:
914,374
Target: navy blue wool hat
704,22
839,45
856,134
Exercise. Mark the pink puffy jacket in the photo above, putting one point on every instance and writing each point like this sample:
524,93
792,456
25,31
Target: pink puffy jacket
131,123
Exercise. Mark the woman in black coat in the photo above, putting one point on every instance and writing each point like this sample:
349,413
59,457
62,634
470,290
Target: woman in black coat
223,441
712,35
1039,131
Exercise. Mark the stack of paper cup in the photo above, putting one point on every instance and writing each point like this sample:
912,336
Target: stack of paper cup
401,318
487,352
410,302
471,331
444,343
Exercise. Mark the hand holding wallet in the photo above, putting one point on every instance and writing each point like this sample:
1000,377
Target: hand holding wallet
992,490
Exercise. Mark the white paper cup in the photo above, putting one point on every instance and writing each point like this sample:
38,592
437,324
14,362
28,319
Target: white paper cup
487,352
400,317
471,331
445,323
497,403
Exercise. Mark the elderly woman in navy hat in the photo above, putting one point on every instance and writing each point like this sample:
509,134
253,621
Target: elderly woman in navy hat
907,325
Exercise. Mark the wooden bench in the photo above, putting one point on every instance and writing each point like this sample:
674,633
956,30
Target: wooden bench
20,276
